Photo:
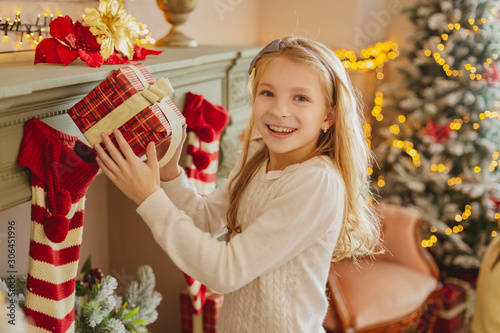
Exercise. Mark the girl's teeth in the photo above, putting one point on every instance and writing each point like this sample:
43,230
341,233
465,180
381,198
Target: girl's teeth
281,129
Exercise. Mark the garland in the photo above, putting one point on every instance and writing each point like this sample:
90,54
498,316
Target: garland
98,309
110,37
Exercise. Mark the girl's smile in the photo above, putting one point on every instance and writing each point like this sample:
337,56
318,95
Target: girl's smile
280,131
289,111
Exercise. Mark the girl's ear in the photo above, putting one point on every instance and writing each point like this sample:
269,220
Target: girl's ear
330,116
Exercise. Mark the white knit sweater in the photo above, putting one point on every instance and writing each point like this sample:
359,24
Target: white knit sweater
486,317
273,274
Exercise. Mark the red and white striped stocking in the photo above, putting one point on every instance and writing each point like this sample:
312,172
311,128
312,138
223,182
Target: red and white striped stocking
206,122
62,167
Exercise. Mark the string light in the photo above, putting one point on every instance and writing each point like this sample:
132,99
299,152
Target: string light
456,229
380,72
489,114
25,30
412,152
456,124
441,61
145,36
494,161
368,134
441,46
454,181
377,108
381,181
429,242
439,168
369,58
395,129
39,28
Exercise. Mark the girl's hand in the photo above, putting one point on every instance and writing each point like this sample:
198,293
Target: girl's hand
135,178
172,169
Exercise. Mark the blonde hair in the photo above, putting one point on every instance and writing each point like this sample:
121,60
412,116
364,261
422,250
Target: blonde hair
344,143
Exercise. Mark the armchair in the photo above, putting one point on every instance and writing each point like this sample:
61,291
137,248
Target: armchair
391,292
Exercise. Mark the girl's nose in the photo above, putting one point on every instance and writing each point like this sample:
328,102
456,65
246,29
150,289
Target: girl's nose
280,108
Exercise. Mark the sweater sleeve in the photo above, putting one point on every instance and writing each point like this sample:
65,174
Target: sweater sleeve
208,213
306,206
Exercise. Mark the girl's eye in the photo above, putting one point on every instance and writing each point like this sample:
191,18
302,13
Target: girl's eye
266,93
301,98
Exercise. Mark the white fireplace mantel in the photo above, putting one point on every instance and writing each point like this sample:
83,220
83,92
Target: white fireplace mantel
46,91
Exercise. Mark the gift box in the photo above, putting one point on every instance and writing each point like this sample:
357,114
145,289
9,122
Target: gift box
210,313
131,100
458,301
451,325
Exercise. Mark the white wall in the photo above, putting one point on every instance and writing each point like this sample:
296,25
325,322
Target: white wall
351,24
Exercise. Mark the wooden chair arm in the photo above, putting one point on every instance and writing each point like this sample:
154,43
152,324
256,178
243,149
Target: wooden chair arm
339,306
426,256
401,232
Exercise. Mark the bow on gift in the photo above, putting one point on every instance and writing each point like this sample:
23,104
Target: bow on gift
158,91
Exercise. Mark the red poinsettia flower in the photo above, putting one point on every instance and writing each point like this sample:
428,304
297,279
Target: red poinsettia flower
438,133
46,51
115,59
70,41
491,74
496,202
140,53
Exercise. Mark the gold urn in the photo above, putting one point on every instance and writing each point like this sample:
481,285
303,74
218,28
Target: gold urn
176,13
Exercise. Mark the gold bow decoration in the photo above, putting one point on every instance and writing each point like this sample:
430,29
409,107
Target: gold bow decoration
158,91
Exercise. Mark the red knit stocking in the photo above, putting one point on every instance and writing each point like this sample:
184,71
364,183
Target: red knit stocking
62,167
206,122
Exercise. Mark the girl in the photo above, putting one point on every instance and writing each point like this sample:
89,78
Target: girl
296,197
486,317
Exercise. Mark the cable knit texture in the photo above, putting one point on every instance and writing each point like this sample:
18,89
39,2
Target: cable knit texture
273,274
486,317
62,167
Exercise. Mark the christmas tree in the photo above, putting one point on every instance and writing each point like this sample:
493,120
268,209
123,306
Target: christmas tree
441,152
